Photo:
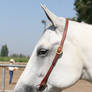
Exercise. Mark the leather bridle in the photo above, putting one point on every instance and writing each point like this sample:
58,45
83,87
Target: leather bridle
59,51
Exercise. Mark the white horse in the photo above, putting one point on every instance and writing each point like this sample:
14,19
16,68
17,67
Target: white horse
74,64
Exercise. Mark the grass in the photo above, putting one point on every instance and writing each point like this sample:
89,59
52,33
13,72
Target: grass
17,59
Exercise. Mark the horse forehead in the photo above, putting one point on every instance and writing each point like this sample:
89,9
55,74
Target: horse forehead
49,34
49,37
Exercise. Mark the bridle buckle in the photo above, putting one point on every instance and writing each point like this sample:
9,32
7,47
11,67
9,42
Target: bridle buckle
59,50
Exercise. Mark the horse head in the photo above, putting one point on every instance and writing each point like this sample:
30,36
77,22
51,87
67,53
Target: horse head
65,72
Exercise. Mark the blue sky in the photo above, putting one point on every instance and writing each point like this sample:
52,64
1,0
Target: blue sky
20,22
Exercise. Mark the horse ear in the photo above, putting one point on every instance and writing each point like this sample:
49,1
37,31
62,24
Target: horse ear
52,17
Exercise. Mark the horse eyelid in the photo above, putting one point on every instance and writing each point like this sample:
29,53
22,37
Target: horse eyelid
42,52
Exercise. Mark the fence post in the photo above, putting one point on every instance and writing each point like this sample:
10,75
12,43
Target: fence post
4,72
3,78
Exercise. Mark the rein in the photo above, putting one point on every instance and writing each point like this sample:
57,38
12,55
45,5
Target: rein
59,51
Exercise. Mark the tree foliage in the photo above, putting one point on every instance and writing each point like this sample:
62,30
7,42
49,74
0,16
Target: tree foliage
4,50
84,10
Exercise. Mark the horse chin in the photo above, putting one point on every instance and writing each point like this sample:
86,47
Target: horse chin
26,88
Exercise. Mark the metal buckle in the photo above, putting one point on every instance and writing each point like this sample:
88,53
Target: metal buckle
59,50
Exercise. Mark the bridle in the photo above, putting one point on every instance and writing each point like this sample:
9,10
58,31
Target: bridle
59,51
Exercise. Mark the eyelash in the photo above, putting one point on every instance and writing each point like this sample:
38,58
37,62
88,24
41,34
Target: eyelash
42,52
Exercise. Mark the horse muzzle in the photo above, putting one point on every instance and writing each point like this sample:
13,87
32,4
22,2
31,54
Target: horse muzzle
26,88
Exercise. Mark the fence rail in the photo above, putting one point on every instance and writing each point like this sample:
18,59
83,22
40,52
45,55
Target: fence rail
4,71
14,65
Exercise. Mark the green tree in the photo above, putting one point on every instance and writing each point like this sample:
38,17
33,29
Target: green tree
4,50
84,10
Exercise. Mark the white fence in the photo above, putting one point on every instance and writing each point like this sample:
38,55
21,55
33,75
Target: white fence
4,71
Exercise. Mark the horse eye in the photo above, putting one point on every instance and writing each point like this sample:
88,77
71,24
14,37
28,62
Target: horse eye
42,52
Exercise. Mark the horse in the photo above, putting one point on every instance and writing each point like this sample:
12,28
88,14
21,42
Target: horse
73,64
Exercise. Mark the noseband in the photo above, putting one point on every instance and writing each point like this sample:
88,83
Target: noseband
59,51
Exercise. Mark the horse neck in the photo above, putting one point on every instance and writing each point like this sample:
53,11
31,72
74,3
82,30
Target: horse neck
75,32
80,35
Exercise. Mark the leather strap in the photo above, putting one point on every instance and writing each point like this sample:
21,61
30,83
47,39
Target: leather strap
43,83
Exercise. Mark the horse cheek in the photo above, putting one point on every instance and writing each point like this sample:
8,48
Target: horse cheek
67,71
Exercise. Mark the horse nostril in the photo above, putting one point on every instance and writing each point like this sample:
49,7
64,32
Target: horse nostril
25,88
29,88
